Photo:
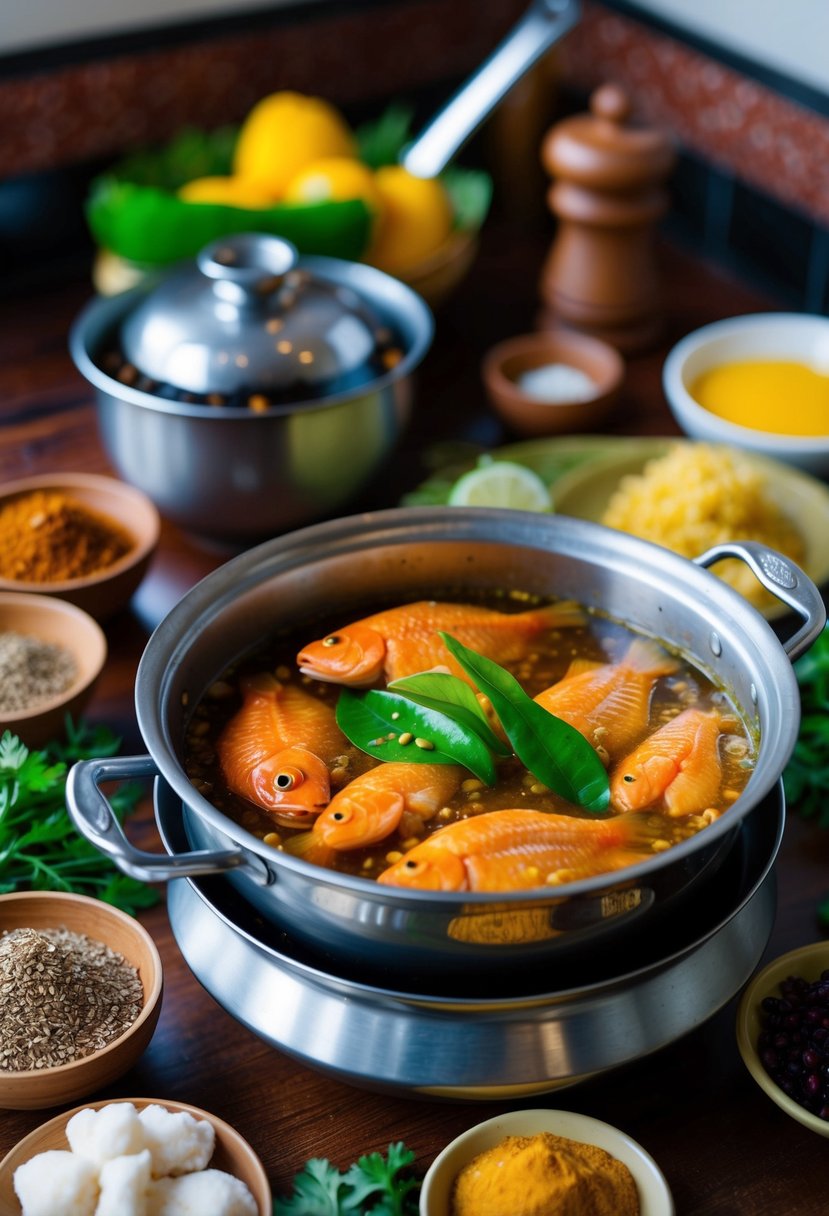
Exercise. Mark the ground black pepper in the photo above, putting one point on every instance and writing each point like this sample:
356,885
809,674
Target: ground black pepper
63,996
31,672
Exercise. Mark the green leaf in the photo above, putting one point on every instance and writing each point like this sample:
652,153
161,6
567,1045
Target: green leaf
376,1175
316,1191
381,141
453,697
551,749
369,718
471,193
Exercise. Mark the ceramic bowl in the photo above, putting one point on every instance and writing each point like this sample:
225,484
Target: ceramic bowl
232,1153
504,364
808,962
799,337
104,593
436,1192
39,1088
60,624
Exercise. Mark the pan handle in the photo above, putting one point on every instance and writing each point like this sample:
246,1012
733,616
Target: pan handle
783,579
91,813
543,23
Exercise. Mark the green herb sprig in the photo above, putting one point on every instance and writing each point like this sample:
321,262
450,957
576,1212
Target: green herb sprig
427,719
806,776
40,849
374,1186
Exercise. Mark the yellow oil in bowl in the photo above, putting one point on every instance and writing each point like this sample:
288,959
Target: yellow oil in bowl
779,396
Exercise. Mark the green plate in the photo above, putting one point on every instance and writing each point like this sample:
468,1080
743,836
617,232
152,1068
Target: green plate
583,471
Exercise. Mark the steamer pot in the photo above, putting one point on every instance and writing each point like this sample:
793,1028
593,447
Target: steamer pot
413,553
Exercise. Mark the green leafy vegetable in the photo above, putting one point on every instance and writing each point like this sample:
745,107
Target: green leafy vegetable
375,721
806,777
448,695
552,750
39,846
374,1186
381,142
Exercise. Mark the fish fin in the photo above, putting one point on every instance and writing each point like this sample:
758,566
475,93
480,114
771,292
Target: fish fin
580,666
308,846
557,616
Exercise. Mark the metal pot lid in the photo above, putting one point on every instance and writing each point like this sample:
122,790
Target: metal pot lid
248,316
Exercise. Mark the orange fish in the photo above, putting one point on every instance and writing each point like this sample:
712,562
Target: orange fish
371,807
275,750
678,766
609,703
515,850
402,641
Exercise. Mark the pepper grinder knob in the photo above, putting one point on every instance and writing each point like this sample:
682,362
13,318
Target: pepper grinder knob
600,275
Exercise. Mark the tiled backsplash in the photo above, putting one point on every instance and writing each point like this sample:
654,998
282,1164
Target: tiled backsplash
752,184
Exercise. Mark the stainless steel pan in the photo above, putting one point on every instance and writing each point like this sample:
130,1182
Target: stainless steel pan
344,565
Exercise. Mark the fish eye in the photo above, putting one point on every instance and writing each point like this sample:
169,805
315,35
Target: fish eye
289,779
338,816
629,777
410,865
333,639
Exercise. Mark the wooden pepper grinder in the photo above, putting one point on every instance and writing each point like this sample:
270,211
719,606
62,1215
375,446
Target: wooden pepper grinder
600,275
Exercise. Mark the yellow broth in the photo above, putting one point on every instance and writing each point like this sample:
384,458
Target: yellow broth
599,639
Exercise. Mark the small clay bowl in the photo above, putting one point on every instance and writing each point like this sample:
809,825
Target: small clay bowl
60,624
505,363
436,1192
808,962
43,1087
104,593
232,1153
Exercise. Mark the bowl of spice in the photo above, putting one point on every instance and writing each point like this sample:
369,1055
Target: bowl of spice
552,382
51,655
134,1155
83,537
80,996
783,1033
534,1162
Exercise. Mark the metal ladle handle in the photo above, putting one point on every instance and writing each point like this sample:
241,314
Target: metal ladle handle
543,24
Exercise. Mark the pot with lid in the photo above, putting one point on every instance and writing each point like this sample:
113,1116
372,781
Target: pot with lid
253,390
407,555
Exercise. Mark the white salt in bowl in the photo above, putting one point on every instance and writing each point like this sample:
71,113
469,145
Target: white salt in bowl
34,1089
232,1153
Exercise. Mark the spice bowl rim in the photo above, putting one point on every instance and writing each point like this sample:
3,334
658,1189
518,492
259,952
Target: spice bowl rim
137,506
533,415
727,340
232,1142
94,637
764,983
654,1194
131,1042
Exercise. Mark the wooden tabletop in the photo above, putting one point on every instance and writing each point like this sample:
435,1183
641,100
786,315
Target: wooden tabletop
723,1146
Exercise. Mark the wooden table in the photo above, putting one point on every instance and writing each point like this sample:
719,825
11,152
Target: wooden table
724,1147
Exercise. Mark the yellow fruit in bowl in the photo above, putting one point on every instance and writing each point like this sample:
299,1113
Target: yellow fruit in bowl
233,191
415,219
333,178
283,133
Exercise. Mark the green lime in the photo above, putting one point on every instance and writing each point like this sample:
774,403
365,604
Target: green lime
501,484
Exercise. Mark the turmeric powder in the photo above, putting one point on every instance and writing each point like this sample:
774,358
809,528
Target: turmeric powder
49,537
545,1175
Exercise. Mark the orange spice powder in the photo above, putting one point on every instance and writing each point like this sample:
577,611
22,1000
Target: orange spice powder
48,537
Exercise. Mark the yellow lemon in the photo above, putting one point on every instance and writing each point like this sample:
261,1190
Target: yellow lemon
283,133
234,191
333,178
415,220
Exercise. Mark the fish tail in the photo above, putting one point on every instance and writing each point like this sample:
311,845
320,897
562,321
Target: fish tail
564,614
636,832
309,846
650,658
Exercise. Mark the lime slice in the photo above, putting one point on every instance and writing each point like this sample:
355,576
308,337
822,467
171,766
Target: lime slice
501,484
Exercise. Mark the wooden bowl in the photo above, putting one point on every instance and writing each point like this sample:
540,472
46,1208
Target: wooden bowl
436,277
505,363
38,1088
60,624
232,1153
104,593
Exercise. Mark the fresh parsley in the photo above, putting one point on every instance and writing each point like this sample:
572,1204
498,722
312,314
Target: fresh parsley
374,1186
40,849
